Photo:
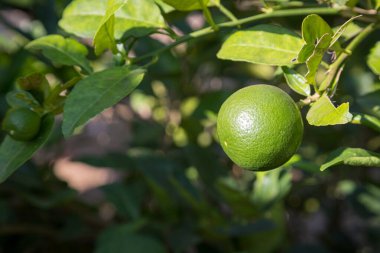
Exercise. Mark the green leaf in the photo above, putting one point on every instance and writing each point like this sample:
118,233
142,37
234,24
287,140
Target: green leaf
263,44
305,52
122,239
13,153
296,81
314,28
164,6
373,59
62,51
190,5
315,59
105,35
323,113
136,18
353,157
97,92
341,30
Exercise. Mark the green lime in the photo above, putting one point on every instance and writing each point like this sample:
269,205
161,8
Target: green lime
22,124
260,127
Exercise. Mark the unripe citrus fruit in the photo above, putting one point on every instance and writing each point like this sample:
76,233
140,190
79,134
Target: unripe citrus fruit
22,124
259,127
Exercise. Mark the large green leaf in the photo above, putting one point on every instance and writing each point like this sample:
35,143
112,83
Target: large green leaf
13,153
62,51
353,157
136,17
97,92
190,5
105,35
296,81
122,239
323,113
263,44
373,60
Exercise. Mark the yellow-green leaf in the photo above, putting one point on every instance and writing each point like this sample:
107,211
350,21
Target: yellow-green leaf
315,59
105,35
323,113
135,18
262,44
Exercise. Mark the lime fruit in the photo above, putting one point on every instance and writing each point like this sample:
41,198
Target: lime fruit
259,127
22,124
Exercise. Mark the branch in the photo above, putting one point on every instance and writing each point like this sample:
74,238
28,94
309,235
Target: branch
209,30
367,120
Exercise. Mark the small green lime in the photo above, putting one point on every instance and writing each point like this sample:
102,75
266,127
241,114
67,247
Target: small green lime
260,127
22,124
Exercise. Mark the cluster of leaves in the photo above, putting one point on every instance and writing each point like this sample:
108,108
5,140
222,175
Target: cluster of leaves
177,192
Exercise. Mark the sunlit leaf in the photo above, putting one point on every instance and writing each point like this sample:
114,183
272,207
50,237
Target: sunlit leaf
97,92
341,30
296,81
315,59
314,28
323,113
105,35
136,18
353,157
13,153
263,44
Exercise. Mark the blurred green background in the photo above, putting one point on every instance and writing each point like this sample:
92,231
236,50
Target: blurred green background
148,174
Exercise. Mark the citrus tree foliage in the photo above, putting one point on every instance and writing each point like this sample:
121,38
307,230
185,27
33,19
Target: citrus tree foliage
98,54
